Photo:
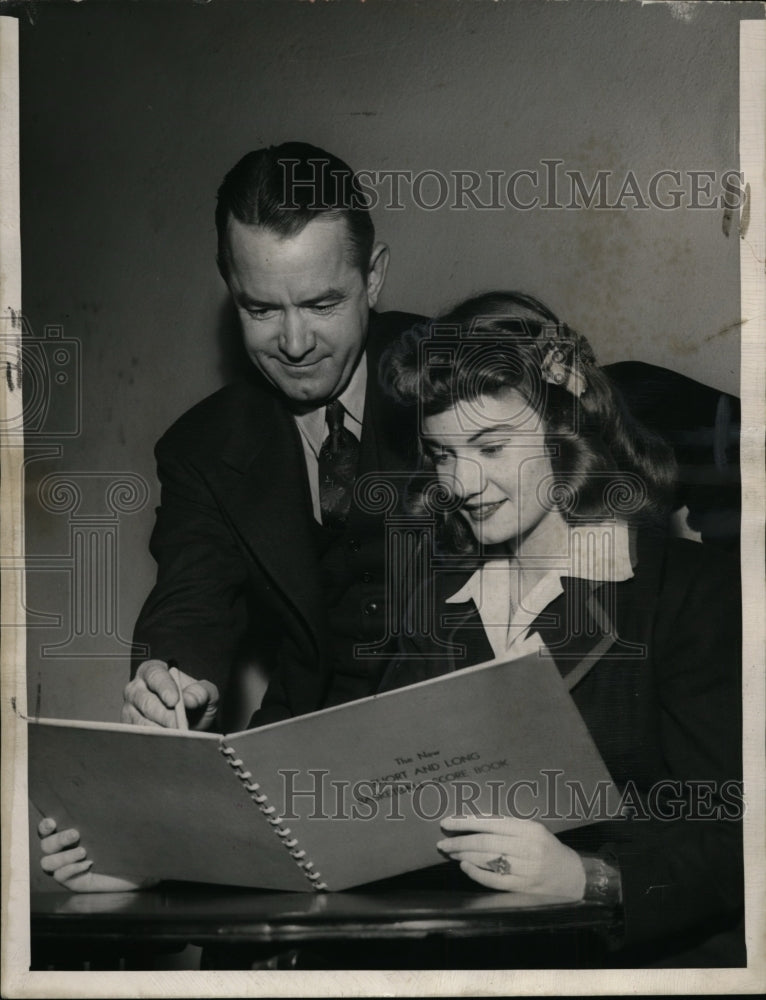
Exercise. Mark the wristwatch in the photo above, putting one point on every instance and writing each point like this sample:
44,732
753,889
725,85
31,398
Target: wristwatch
602,880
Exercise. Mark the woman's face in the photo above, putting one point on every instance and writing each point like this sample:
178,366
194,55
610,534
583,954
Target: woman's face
490,452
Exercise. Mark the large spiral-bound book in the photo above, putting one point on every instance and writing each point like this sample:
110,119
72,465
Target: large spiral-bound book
331,800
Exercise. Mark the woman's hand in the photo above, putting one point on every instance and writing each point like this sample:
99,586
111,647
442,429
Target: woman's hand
66,860
513,855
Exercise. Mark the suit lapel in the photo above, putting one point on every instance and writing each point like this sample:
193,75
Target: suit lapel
465,630
369,456
575,628
269,501
266,491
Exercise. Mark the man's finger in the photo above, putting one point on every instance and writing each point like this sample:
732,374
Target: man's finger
131,716
213,694
152,709
156,676
196,695
202,715
149,699
147,704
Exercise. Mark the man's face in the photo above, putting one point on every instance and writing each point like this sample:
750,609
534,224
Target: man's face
303,304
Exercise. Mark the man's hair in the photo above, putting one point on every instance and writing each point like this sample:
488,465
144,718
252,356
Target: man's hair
282,188
603,461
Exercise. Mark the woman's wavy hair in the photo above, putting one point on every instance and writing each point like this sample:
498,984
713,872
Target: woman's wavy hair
604,462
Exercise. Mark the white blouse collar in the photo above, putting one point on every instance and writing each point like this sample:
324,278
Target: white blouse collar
598,552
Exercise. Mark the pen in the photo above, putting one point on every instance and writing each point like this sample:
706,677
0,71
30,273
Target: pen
180,710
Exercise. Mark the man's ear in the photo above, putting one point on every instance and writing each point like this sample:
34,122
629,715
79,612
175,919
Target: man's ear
376,272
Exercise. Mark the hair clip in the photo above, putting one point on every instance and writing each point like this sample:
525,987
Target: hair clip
558,367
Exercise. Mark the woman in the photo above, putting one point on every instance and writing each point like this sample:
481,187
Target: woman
548,502
553,499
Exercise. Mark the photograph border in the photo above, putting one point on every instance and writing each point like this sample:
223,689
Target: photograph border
17,981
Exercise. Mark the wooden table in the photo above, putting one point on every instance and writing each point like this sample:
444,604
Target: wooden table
114,930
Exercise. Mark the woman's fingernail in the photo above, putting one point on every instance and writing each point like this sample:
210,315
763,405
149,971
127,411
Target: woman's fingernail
71,836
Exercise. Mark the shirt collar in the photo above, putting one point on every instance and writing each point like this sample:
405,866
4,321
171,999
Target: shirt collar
598,552
353,395
312,424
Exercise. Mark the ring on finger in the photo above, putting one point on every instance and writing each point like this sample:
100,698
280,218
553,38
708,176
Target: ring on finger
500,864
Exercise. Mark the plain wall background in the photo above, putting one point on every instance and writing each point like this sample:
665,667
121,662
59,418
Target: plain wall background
132,113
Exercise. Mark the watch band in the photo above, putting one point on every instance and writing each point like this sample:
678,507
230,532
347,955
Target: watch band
603,883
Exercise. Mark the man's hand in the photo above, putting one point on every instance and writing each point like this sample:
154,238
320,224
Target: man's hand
513,855
150,698
66,861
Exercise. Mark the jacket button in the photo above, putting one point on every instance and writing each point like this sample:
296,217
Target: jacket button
354,545
371,608
366,577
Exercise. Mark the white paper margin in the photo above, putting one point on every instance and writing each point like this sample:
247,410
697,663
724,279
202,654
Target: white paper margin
17,981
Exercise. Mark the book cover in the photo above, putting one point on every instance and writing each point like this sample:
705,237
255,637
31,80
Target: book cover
334,799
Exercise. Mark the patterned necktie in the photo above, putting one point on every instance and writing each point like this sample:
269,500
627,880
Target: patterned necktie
338,460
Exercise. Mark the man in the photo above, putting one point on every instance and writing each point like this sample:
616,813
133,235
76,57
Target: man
258,542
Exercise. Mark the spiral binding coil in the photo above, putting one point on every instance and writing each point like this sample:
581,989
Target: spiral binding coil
283,832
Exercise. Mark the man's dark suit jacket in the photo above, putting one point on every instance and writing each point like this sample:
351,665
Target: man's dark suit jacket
233,538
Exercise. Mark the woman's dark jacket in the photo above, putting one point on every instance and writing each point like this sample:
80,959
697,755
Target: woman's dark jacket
664,709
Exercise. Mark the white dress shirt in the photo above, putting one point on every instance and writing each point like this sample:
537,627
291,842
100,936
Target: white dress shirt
510,593
313,427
